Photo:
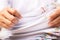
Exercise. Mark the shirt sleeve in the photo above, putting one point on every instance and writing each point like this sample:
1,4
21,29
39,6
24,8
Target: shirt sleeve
3,4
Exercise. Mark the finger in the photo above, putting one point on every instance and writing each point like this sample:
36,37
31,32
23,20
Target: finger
9,16
3,25
55,14
7,22
54,22
14,12
57,25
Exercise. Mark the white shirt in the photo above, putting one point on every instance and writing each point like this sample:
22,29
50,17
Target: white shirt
32,11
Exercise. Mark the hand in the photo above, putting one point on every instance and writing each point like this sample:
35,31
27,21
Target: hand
9,17
55,19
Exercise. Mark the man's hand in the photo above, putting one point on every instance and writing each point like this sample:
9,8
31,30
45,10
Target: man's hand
9,17
55,19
